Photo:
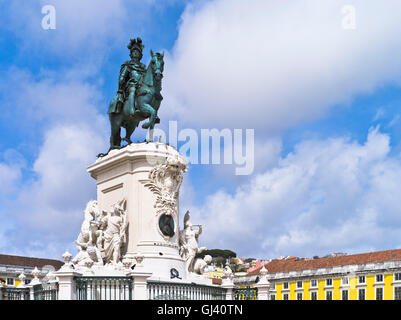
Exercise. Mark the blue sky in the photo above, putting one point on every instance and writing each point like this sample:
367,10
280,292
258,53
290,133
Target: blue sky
323,101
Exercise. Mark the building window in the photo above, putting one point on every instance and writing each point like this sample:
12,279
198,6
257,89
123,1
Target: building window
285,296
313,295
379,293
397,276
273,286
361,294
361,279
397,293
10,281
299,296
344,295
313,283
299,284
329,282
285,285
329,295
344,280
27,281
379,278
273,297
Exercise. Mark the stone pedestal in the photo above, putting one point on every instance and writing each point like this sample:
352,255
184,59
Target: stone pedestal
67,285
228,284
148,176
139,285
263,285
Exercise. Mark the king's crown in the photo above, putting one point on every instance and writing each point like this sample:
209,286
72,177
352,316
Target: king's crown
135,44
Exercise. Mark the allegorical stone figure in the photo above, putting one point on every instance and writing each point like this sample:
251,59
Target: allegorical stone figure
188,241
114,236
201,264
87,238
84,237
103,235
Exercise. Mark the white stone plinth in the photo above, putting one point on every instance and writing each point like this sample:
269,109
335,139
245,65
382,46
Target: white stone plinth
67,285
140,174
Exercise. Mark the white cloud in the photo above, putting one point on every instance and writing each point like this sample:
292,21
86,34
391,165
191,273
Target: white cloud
10,175
66,97
53,202
45,212
328,195
271,65
11,168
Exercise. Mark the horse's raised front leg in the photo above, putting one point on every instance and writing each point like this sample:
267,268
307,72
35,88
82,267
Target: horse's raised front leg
151,113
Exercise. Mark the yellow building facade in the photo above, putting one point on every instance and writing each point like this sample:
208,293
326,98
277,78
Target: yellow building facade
340,288
369,276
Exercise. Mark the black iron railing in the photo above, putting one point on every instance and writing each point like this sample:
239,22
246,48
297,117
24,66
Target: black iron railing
178,291
46,291
103,288
10,293
245,294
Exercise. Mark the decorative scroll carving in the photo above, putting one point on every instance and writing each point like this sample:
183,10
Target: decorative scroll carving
165,181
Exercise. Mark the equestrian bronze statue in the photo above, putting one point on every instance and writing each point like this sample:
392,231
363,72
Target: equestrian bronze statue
138,97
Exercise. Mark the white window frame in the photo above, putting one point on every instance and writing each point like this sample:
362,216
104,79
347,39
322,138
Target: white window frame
364,277
342,281
302,295
288,286
342,293
329,285
362,288
379,287
12,280
379,274
302,284
326,292
314,286
288,295
312,292
397,286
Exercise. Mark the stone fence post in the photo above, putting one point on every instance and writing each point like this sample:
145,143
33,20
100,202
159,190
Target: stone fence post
66,284
35,281
140,280
263,285
65,277
229,285
140,284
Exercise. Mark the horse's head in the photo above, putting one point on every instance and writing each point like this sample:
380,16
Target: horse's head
91,210
157,64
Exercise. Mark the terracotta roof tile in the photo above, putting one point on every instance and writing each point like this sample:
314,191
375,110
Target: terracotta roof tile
282,265
10,260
